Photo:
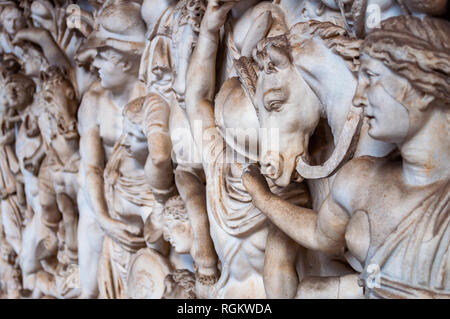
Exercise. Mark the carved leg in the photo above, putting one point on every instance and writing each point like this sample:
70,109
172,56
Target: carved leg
12,223
90,244
47,198
70,218
192,191
280,274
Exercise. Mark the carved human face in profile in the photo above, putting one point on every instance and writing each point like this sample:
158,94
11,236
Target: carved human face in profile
383,94
177,229
113,68
12,20
135,142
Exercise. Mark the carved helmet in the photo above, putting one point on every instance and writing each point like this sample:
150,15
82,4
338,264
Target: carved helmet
119,25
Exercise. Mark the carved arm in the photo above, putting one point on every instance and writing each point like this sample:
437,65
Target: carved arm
323,230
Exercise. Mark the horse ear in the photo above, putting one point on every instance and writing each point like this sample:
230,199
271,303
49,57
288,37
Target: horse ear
279,57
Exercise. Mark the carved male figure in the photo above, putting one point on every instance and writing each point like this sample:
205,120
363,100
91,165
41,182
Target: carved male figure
118,43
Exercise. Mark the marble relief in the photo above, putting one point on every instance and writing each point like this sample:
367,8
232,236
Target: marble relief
205,149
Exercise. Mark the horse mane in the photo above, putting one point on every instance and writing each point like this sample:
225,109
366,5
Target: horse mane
54,76
336,38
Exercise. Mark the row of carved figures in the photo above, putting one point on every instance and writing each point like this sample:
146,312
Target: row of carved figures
224,149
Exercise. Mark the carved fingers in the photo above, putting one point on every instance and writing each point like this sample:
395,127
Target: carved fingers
216,14
255,182
128,236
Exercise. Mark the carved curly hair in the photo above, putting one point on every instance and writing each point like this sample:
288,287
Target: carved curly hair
190,12
336,38
176,209
418,49
183,278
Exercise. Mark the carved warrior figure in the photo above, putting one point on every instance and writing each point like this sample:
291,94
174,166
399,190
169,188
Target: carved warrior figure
163,69
58,185
239,230
405,255
352,202
16,95
118,42
53,33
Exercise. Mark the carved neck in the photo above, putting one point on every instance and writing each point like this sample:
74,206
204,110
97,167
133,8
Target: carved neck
121,96
425,155
334,84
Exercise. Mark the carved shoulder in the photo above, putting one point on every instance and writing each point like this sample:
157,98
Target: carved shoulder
350,185
88,111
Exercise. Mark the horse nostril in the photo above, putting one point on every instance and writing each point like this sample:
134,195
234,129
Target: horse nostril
271,165
269,169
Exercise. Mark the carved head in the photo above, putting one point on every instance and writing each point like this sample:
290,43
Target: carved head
286,106
180,284
134,139
116,44
32,59
115,67
58,100
42,14
12,19
177,228
405,69
18,89
187,18
285,100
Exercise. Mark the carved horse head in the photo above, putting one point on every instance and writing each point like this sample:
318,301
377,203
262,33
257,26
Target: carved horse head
58,100
305,74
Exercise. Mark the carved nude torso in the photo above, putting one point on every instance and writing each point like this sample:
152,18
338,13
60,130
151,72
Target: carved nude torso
387,218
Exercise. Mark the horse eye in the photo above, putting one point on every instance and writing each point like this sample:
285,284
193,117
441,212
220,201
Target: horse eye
48,99
274,106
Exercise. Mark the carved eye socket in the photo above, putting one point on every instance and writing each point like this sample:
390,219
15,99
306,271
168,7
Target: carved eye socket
274,105
270,68
370,75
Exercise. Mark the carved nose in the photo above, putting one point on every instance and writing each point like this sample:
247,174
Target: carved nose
272,164
360,100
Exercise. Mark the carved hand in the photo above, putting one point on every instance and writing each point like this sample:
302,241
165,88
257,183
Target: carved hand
216,14
255,183
128,236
